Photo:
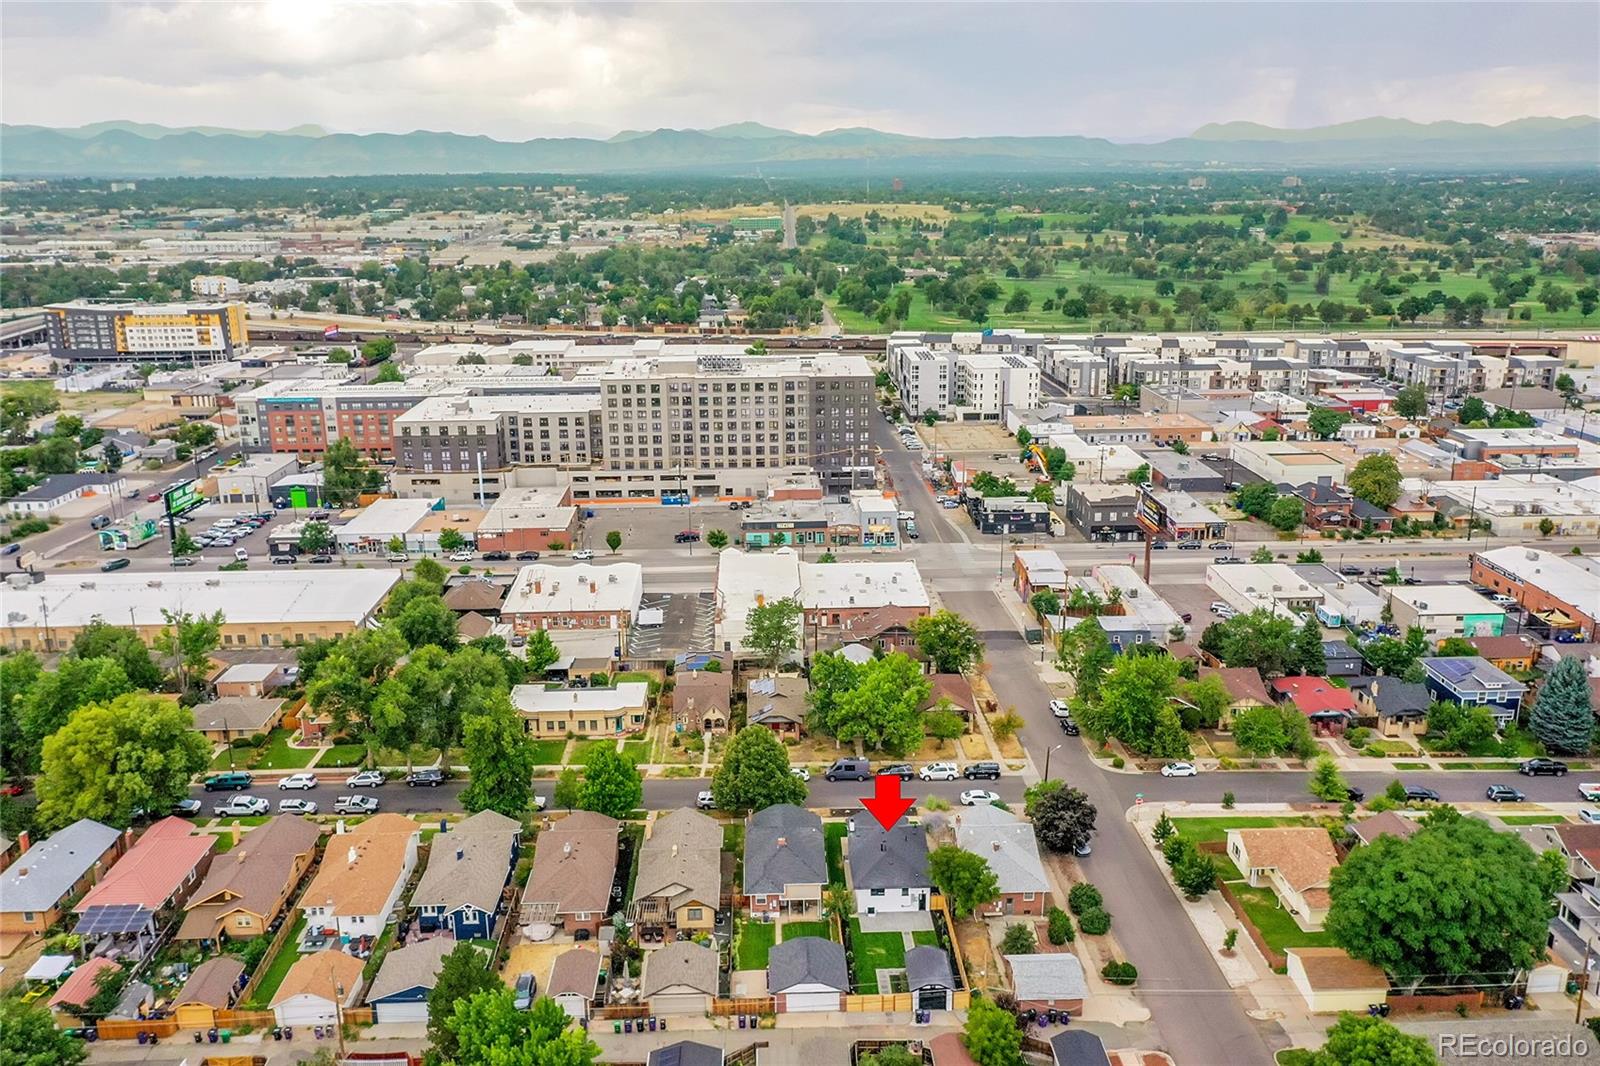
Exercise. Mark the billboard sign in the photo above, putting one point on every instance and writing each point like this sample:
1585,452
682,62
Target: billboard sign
1152,515
181,499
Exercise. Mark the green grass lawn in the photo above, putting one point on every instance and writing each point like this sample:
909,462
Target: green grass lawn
874,952
232,759
755,941
1393,747
833,834
247,819
547,752
925,938
1412,766
278,967
637,750
796,930
1276,924
1492,764
582,748
1532,819
342,755
1204,830
278,755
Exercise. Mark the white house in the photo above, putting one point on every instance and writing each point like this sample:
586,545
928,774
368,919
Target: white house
888,869
362,875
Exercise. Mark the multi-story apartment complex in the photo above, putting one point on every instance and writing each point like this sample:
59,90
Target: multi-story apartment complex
215,286
455,433
86,332
965,376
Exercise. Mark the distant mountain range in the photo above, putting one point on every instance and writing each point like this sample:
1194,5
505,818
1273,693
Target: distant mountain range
129,149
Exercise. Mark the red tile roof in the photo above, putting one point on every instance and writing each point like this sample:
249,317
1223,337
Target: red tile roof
1314,695
153,869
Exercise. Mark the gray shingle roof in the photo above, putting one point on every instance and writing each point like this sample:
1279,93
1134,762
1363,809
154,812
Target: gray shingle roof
467,866
681,860
800,858
683,962
1056,975
929,967
807,960
894,859
43,874
1007,844
415,965
686,1053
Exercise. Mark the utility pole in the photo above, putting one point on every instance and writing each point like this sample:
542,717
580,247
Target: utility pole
1584,986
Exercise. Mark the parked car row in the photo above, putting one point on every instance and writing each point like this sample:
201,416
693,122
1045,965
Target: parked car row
852,769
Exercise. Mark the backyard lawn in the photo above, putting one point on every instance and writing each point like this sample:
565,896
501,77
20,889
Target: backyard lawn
285,958
925,938
874,952
1276,924
833,834
755,941
796,930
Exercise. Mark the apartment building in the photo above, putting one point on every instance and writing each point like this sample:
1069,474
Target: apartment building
83,331
459,433
1442,375
965,377
1075,368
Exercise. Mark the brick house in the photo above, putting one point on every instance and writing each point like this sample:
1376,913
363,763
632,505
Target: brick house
1008,845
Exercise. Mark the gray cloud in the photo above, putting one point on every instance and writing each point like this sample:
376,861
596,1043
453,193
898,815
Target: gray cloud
515,70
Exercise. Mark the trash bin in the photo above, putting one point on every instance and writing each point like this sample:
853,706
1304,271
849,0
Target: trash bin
227,1035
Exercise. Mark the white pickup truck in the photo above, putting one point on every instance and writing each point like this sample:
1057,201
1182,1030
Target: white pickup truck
1590,791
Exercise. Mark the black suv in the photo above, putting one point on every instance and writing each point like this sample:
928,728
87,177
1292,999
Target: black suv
687,536
528,555
1069,727
433,778
1418,794
980,771
1543,768
1351,570
496,557
902,770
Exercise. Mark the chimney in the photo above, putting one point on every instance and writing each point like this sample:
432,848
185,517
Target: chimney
538,586
23,872
783,842
883,845
351,856
24,841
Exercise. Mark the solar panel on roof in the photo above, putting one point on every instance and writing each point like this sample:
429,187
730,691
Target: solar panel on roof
113,918
1455,669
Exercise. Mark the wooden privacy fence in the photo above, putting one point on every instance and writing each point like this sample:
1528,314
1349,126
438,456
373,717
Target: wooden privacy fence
129,1029
622,1010
747,1005
1277,960
245,1019
903,1001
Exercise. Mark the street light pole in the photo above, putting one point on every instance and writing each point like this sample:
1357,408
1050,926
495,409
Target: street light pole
1049,752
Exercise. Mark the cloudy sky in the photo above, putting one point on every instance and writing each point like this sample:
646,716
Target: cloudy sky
511,70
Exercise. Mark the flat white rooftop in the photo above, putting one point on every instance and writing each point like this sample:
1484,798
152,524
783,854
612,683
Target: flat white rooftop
824,585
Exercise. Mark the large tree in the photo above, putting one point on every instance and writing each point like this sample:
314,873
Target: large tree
540,653
949,641
963,877
29,1037
755,773
465,973
1376,479
426,620
1456,898
881,711
1308,649
1085,653
346,475
1204,702
49,701
1132,696
772,630
315,538
991,1035
1361,1040
1326,783
1410,402
1563,713
1258,639
1063,819
611,785
136,752
187,641
350,677
500,759
101,639
491,1031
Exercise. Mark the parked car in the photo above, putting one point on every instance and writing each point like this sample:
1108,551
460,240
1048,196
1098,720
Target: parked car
1351,570
398,557
240,555
99,521
237,780
116,564
902,770
295,805
801,772
1222,610
686,536
583,553
1179,769
522,998
241,807
428,777
1589,815
282,560
462,556
939,771
496,557
355,805
1503,794
980,771
364,779
1590,791
189,560
1220,546
1059,708
321,559
1188,545
1418,794
527,556
187,808
1503,600
1543,768
1353,794
974,796
849,769
1070,728
300,781
703,800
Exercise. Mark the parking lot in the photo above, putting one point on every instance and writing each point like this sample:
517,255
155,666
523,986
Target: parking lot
686,623
654,525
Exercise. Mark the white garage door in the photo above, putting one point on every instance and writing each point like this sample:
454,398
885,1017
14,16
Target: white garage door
416,1011
304,1010
811,1001
687,1003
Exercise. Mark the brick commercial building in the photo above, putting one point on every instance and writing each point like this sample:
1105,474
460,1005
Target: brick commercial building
1562,592
577,596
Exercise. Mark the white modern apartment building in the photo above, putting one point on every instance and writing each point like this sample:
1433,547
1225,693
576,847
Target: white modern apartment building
217,286
960,384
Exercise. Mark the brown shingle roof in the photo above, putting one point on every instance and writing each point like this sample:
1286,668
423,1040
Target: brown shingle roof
1507,647
575,973
360,883
212,983
321,974
1581,840
681,860
574,863
699,691
952,687
681,963
1242,682
473,625
482,596
1333,970
252,876
1370,829
1304,857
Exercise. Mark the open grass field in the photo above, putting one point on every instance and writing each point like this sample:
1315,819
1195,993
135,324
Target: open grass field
923,316
930,212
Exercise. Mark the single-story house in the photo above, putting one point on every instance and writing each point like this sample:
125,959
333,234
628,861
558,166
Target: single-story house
807,974
785,861
888,869
1369,829
686,1053
1244,686
678,885
680,978
702,700
250,679
249,885
1329,980
468,869
214,985
1341,659
574,864
584,712
399,992
474,626
779,703
44,877
1511,652
1396,708
574,979
78,989
478,595
929,978
1008,845
956,689
317,988
58,489
231,717
147,887
1053,980
1295,862
1326,706
361,877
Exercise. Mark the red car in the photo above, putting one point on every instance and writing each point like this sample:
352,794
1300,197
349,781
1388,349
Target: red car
11,788
153,497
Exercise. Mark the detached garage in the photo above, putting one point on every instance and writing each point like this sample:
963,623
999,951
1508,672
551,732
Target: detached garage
210,988
806,974
400,991
1330,980
680,978
929,978
317,987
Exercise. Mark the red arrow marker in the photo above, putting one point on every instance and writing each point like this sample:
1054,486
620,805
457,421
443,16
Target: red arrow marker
886,804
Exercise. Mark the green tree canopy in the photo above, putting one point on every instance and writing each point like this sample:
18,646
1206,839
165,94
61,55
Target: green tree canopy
1360,1040
187,641
346,475
1063,819
101,639
963,877
1376,479
755,773
612,785
949,641
1133,696
29,1037
772,630
500,759
1085,653
315,538
490,1031
991,1035
880,709
1563,713
46,704
465,973
349,677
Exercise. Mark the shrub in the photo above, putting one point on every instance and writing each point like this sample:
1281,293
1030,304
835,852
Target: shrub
1372,751
1229,940
1019,940
239,742
1095,922
258,740
1163,828
936,803
1356,736
1117,762
1060,930
1227,800
1226,763
1084,897
1120,973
